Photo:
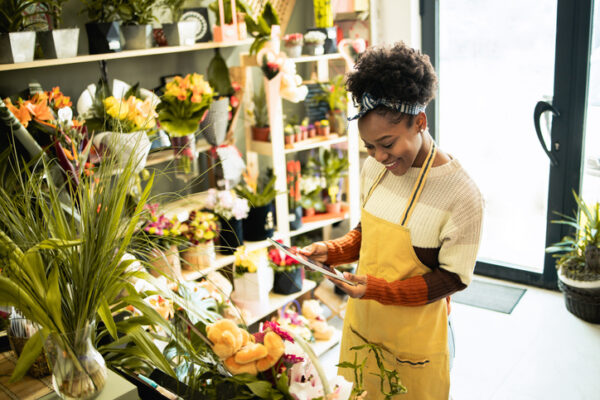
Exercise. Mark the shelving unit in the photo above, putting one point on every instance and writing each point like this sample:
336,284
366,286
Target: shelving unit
122,54
266,149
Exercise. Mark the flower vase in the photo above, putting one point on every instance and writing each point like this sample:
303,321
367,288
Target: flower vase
184,148
78,369
166,262
200,256
259,224
231,235
288,282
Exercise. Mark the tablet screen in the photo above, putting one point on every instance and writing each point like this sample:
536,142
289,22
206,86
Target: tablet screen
312,264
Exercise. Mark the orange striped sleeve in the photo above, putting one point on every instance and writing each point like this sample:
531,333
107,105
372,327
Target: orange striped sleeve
346,249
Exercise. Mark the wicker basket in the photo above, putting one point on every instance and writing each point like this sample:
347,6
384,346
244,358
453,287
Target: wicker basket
583,303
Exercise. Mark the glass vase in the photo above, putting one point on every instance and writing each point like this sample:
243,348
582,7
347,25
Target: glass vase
78,369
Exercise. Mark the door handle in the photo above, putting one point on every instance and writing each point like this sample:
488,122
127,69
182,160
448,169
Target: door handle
540,108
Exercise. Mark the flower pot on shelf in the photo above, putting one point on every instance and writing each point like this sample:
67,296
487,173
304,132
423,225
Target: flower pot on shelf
231,235
313,49
182,33
323,130
200,256
17,47
137,36
59,43
295,218
309,212
294,51
214,126
289,139
312,132
78,369
261,133
104,37
259,225
288,282
334,208
251,290
166,261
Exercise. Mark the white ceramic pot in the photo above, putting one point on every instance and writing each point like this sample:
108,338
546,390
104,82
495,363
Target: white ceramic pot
59,43
251,290
17,47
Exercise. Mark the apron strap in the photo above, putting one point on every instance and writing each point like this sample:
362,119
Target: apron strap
418,188
377,180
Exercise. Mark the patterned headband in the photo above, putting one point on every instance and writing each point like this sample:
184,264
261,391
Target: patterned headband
368,103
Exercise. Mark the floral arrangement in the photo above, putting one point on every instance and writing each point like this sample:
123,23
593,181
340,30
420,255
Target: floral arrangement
269,67
293,39
247,261
183,104
159,229
199,227
281,262
129,114
226,204
292,321
291,87
310,192
315,37
334,94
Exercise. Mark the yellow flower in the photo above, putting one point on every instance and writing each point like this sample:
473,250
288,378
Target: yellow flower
152,230
116,108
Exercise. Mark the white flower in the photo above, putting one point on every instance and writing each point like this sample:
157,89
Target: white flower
225,199
240,208
65,115
211,199
304,382
341,389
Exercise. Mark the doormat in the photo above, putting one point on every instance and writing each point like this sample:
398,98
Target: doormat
491,296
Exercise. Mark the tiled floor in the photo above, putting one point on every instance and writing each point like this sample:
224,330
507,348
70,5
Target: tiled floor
539,352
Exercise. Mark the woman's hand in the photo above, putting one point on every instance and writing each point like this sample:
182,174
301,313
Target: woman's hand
357,291
317,251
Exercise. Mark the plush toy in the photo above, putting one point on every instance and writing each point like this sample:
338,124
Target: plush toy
227,337
275,348
311,310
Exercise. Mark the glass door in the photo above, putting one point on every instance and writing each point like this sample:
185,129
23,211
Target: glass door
497,63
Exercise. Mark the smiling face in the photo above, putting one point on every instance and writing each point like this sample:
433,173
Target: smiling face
395,145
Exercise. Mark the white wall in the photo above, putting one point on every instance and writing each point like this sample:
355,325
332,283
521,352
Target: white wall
395,20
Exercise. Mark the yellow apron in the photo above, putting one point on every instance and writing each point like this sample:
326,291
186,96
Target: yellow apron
414,339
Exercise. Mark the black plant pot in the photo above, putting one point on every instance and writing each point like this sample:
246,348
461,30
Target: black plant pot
288,282
296,218
231,235
259,224
104,37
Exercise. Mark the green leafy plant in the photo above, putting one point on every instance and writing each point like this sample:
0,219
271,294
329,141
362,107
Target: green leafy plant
15,17
218,75
137,12
260,28
101,11
257,194
175,7
62,250
578,255
240,6
259,110
334,94
53,12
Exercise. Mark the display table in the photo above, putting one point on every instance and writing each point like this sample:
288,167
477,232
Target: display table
31,388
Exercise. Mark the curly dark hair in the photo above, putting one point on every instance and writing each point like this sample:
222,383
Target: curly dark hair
398,73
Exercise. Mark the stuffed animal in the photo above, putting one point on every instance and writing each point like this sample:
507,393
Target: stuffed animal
275,348
227,337
311,310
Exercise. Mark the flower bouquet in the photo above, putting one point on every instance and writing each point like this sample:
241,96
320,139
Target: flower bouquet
294,322
252,279
288,272
231,210
200,229
183,106
163,234
122,119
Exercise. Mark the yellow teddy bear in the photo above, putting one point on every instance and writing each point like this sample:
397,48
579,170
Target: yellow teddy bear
311,310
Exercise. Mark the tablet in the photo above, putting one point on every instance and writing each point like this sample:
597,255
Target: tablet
312,264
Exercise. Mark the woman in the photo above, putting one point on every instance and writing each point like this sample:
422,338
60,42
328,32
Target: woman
419,233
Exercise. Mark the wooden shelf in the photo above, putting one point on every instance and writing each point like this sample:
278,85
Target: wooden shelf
265,148
311,226
276,301
320,347
302,59
122,54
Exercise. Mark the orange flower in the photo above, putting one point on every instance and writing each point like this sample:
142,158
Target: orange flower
182,96
21,113
40,111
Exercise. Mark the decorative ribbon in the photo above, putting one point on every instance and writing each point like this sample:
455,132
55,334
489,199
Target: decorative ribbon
368,103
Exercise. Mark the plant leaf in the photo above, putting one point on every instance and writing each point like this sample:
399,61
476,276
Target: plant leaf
107,318
30,352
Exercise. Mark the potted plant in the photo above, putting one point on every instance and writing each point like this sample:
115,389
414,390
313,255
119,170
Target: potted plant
17,44
259,224
178,33
183,105
231,210
288,272
323,128
334,94
252,279
103,30
313,43
331,166
293,44
136,18
57,42
578,261
199,230
62,273
258,114
289,135
163,234
311,187
293,181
